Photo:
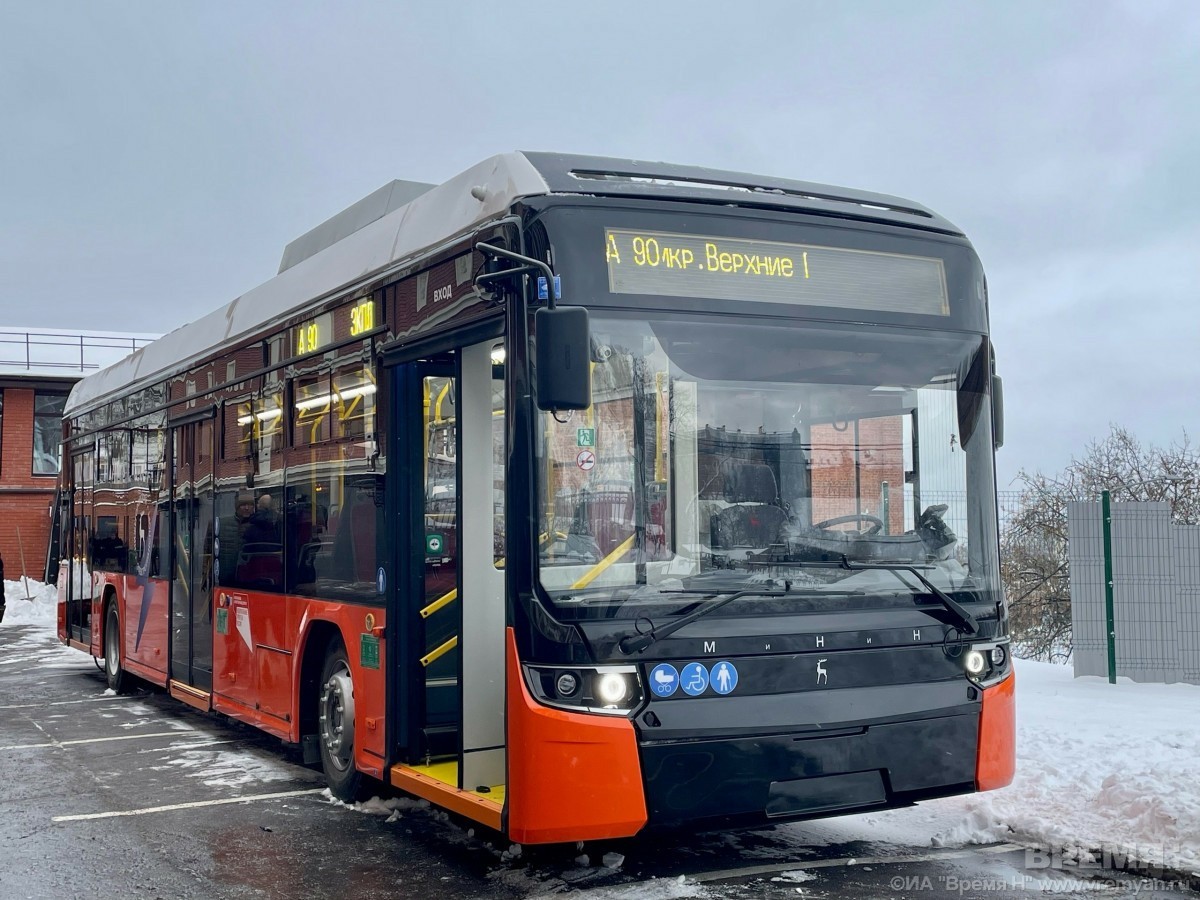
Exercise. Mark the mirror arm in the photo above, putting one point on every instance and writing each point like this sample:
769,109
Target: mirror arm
529,264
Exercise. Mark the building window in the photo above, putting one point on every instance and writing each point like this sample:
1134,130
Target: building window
47,431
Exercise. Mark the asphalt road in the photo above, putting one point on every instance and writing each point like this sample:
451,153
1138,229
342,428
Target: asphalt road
141,796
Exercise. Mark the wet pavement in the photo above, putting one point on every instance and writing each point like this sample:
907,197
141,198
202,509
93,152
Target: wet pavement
142,796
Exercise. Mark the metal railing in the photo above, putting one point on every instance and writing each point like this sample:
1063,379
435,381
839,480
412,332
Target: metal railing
65,351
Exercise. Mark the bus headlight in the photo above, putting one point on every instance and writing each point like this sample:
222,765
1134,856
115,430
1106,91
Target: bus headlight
612,688
987,663
975,662
608,690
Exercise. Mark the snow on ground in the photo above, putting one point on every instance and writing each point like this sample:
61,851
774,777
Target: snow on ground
41,610
227,768
1114,768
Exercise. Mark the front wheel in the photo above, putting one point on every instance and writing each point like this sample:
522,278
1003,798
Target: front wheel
335,718
113,670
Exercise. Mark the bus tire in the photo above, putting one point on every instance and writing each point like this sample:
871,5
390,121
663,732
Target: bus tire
335,725
113,670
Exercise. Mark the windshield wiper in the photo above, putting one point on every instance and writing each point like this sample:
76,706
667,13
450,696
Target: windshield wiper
965,620
962,618
635,643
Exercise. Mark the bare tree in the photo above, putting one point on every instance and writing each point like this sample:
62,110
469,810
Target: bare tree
1033,542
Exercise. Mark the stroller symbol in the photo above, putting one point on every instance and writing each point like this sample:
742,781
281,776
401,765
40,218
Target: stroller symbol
664,680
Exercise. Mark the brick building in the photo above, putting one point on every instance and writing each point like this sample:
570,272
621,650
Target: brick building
37,371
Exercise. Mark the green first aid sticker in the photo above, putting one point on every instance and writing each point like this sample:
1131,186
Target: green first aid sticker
585,437
222,621
434,544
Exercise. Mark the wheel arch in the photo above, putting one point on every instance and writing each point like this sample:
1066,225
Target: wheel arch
109,598
314,644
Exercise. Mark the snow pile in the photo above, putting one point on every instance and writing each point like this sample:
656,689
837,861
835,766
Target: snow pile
41,610
1100,767
392,807
794,876
678,888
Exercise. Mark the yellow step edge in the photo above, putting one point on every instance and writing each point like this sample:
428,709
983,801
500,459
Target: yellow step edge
431,783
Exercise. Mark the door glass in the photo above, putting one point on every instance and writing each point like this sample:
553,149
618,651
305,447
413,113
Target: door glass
181,569
80,587
202,541
440,540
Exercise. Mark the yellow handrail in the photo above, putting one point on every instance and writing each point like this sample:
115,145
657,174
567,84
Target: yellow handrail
599,567
444,600
440,651
437,407
448,598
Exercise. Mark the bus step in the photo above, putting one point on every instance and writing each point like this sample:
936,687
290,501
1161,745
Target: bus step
441,740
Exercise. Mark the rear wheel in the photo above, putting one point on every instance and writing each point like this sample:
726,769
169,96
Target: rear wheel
335,721
113,671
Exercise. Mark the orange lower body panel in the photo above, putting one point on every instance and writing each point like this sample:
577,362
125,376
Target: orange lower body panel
571,776
996,759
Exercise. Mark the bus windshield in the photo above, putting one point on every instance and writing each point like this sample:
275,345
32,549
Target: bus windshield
722,454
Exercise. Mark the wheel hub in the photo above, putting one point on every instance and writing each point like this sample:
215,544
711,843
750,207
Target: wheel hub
111,649
337,718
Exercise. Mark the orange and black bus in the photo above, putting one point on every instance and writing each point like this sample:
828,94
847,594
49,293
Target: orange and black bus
579,496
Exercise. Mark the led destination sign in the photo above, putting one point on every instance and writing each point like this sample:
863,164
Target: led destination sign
688,265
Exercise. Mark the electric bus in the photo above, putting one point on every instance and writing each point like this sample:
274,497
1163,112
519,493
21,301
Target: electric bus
578,496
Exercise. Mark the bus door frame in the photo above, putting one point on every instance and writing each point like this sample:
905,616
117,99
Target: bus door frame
481,762
78,618
199,576
410,436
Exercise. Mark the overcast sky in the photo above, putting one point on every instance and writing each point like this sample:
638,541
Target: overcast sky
156,157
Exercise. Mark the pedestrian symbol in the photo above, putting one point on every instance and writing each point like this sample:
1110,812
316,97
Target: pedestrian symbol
585,437
693,679
664,680
724,677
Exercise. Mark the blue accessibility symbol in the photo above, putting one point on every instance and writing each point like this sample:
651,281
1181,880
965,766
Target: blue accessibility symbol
664,680
693,679
724,677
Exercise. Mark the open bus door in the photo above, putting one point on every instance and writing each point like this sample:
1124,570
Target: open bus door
60,511
450,673
191,447
78,551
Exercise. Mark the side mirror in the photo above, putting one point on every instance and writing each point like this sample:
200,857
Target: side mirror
564,376
998,411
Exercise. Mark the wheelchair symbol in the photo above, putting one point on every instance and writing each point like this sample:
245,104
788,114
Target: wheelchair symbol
693,679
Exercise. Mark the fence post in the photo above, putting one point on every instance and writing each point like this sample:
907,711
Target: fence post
1109,618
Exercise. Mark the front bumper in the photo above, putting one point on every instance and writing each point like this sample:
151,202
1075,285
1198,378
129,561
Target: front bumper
804,772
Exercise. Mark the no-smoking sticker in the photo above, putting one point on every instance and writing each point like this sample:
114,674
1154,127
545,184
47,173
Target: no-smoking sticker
586,460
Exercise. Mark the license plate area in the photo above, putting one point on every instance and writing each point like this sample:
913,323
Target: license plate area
811,795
